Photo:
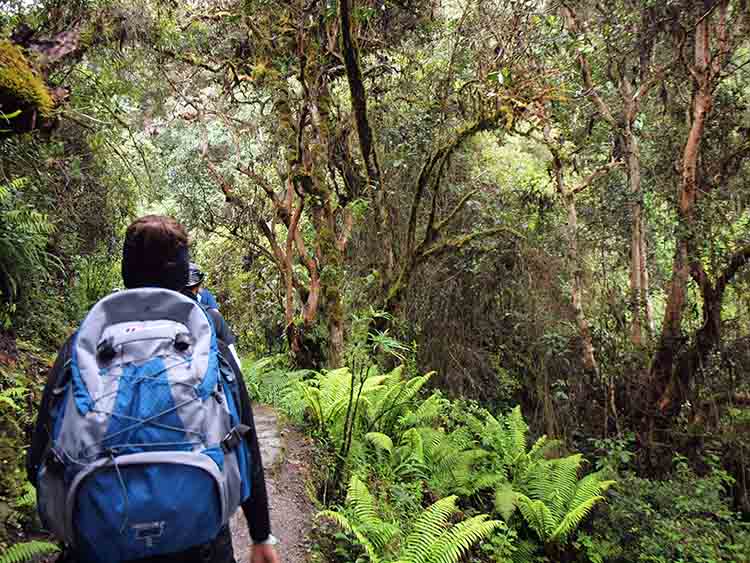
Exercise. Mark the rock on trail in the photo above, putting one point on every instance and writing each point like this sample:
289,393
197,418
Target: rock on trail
284,455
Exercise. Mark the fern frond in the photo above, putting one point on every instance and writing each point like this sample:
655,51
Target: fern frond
563,484
28,499
362,503
413,444
371,532
432,439
22,552
553,482
394,376
430,409
505,500
590,486
10,402
483,481
380,441
368,546
540,447
457,541
411,470
517,430
573,519
525,552
539,518
429,526
337,517
311,396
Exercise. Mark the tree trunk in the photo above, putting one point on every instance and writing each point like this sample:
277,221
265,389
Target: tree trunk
574,264
576,290
665,390
366,139
707,339
639,300
645,297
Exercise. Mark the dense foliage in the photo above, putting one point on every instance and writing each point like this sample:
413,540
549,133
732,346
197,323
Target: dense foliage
539,210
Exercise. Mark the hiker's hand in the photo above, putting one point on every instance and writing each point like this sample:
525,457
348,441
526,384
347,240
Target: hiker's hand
264,554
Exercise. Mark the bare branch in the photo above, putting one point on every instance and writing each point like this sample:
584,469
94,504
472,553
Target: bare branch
455,211
583,64
595,175
460,242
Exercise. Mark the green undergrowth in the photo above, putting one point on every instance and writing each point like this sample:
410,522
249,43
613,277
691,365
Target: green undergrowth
407,475
21,382
400,455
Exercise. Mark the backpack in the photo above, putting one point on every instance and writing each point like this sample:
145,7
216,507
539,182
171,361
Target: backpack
147,455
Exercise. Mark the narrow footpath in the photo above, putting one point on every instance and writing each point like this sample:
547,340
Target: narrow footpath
285,460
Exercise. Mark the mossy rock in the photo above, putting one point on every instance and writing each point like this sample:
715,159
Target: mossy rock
23,94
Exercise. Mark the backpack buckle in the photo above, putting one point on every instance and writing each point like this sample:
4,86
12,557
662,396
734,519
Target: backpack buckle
183,341
234,437
105,350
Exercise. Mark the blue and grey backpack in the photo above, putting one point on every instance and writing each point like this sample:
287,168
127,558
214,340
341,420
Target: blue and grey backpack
147,456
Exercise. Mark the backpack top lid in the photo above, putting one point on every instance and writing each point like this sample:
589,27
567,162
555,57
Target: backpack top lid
136,311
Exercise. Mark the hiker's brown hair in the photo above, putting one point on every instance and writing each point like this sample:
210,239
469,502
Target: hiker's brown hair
158,232
155,253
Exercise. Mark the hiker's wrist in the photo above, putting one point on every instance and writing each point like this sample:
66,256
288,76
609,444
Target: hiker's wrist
264,554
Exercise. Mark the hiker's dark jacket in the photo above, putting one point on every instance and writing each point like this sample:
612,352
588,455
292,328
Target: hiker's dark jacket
255,508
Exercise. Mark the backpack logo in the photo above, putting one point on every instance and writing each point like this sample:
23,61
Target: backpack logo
149,531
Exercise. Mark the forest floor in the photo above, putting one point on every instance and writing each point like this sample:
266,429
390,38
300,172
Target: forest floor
286,458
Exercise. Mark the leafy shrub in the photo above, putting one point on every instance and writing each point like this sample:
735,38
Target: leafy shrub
685,519
95,276
24,233
269,380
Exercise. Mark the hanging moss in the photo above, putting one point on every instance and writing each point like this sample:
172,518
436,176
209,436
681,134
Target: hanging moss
20,88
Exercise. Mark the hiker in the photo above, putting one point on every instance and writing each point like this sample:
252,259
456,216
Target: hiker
145,443
195,284
194,290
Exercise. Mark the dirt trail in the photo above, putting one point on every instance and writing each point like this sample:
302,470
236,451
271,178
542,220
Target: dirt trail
285,455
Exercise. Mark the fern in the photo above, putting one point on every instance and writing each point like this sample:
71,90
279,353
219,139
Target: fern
558,501
457,541
548,493
431,538
12,395
24,233
380,441
573,519
427,412
388,402
27,551
506,437
28,498
430,525
327,397
506,500
525,552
